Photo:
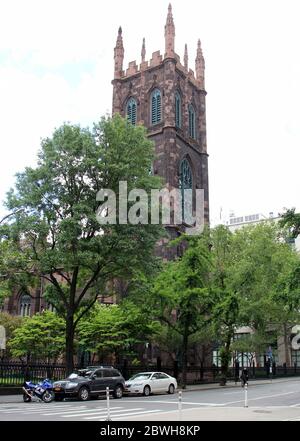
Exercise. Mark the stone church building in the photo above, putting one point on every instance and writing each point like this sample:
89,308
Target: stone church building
168,98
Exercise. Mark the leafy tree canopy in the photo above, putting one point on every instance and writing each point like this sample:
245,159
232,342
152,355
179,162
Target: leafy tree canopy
54,231
40,337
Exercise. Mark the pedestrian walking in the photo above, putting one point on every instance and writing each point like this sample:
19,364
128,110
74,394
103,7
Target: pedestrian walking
244,377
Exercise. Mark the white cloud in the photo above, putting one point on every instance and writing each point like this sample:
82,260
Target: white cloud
56,65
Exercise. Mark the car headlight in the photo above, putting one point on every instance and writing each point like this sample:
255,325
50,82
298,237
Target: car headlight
137,384
70,385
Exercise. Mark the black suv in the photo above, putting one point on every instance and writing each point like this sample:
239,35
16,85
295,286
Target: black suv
90,382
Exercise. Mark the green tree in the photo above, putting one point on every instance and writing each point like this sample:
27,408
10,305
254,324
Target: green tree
291,220
226,304
55,228
40,337
10,323
181,295
251,270
114,329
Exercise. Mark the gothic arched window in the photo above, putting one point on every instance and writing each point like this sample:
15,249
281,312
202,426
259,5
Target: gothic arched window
25,304
131,111
155,106
192,118
185,183
177,109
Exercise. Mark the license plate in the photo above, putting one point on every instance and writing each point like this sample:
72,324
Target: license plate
57,388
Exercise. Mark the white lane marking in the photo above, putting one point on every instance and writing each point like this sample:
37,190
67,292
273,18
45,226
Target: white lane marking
175,402
43,410
232,393
100,413
79,411
293,418
261,398
122,417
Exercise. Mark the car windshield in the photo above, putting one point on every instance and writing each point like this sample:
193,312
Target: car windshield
80,373
140,377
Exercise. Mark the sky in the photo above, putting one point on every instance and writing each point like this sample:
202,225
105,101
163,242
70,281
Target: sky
56,66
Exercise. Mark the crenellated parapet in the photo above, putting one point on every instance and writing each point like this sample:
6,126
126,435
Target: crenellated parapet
196,77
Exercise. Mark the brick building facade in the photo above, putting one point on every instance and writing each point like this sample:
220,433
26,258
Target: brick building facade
168,98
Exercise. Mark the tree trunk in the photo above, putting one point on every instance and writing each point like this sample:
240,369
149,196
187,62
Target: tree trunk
226,358
184,356
69,343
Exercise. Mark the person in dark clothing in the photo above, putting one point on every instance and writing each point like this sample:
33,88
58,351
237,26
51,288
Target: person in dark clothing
244,377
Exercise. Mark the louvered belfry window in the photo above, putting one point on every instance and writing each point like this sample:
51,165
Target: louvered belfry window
155,106
177,109
131,111
192,131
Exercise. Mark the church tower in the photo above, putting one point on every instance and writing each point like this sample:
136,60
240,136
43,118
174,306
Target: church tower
168,98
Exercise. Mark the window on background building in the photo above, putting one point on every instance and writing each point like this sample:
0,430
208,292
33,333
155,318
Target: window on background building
155,106
192,120
177,109
25,305
131,111
295,357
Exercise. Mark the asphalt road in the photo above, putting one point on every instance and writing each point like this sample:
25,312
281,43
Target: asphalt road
276,400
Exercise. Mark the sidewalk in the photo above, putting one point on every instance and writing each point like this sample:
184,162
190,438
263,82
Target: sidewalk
224,414
231,384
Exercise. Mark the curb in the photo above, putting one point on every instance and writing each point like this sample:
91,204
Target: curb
236,385
15,390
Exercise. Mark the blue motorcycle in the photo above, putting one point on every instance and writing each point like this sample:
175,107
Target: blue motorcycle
43,391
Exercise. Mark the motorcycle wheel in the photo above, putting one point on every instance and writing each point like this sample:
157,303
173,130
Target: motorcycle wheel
48,396
26,398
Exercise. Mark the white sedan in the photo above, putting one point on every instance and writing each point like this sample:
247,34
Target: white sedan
150,382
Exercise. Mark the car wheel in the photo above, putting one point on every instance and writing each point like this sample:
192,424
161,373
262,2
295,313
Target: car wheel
118,391
48,396
83,394
146,391
171,389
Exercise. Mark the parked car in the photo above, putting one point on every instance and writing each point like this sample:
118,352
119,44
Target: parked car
150,382
90,382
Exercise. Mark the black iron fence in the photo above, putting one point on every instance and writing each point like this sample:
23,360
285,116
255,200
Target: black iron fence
14,374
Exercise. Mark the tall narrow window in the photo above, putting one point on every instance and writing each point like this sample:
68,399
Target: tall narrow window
177,110
155,106
25,305
131,111
185,183
192,132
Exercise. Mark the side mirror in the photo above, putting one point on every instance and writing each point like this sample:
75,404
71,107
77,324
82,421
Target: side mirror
93,376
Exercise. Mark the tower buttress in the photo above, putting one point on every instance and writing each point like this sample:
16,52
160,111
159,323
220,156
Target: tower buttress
200,65
143,53
186,57
169,34
119,55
